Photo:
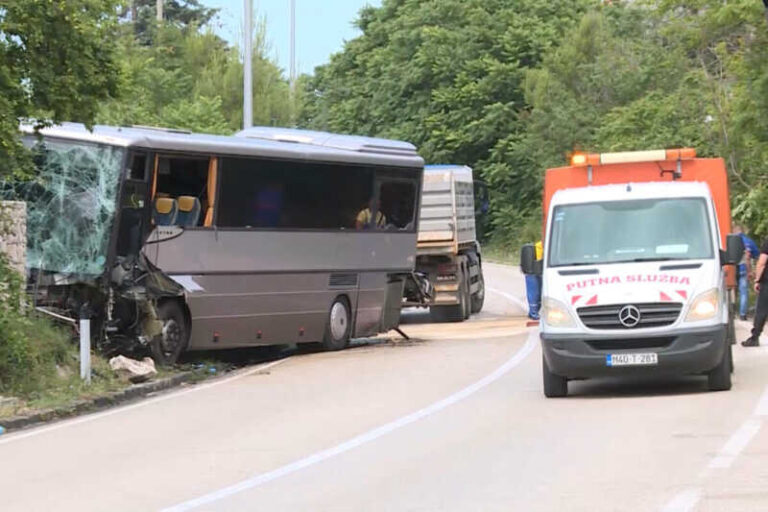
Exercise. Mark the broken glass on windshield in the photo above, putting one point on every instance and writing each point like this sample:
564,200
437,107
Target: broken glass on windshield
70,205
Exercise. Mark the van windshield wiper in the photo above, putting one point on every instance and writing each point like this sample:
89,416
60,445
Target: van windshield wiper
638,260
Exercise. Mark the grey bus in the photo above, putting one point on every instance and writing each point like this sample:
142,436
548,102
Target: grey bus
176,241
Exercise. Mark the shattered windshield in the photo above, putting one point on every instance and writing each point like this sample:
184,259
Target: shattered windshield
70,205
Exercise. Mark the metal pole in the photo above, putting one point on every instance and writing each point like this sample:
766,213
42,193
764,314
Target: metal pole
248,67
159,10
293,43
85,350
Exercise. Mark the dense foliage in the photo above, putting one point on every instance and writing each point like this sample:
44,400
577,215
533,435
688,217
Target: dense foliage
187,77
57,63
511,87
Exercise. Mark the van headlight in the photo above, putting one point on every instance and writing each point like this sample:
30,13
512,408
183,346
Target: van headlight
556,314
704,306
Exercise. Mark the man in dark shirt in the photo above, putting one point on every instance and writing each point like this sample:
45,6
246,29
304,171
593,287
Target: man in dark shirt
761,287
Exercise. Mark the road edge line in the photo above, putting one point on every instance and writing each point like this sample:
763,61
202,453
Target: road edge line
361,439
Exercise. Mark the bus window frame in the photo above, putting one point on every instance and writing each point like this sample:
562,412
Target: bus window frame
374,193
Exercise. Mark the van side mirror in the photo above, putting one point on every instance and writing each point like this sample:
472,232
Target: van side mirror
528,263
734,250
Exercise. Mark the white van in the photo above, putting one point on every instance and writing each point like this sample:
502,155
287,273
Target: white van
634,282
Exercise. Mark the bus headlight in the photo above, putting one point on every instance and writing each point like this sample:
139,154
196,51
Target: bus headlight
704,306
556,314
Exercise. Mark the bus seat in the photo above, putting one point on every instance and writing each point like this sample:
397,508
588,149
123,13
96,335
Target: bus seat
164,211
189,211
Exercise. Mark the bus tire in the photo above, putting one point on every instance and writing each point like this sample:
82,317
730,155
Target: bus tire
719,377
168,346
555,386
478,299
339,325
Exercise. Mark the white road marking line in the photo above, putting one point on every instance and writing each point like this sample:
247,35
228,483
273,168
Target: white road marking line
361,439
762,406
523,305
684,501
173,394
737,442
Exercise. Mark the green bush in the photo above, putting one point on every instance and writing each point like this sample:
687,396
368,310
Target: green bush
33,351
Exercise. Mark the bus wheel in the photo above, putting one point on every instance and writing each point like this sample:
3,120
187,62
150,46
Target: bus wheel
168,346
337,330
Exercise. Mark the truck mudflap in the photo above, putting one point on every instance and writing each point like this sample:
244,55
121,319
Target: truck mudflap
679,352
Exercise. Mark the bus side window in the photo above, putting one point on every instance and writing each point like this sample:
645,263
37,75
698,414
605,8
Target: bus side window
186,179
271,194
397,203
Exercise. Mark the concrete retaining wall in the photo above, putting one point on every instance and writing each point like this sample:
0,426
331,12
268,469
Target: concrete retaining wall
13,233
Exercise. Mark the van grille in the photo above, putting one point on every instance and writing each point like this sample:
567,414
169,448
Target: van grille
652,314
630,343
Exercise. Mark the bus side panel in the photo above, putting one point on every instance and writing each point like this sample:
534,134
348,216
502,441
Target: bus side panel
241,282
248,309
370,304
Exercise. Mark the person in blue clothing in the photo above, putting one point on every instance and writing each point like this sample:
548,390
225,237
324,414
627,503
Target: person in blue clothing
533,287
745,274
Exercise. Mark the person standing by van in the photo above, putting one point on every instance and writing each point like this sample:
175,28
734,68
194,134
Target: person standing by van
533,286
751,252
761,287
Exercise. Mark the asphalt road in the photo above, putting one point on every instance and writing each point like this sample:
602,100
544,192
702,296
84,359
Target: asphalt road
453,420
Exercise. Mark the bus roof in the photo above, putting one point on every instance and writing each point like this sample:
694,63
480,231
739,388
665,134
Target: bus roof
289,144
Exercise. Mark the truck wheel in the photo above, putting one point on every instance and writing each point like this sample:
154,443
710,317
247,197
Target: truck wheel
719,378
479,298
455,313
166,347
554,385
338,327
467,297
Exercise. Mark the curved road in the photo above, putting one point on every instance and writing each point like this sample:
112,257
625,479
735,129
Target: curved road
453,420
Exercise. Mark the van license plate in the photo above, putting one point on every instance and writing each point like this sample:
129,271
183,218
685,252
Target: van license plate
645,359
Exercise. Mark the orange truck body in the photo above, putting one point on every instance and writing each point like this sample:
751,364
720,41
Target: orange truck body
711,171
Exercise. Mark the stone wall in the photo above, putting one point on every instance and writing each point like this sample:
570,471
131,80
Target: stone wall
13,233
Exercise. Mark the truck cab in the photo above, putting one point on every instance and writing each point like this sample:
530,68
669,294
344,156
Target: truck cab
634,278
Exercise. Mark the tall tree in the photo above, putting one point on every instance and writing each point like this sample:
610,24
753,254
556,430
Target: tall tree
57,62
180,13
446,75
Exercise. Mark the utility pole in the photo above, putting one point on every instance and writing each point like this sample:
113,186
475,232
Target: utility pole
248,67
293,44
160,11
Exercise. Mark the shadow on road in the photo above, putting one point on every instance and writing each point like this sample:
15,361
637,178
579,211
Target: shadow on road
639,387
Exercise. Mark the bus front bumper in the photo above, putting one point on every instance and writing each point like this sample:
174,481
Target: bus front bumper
685,351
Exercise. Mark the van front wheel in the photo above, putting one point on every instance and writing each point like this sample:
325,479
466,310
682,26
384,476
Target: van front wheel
719,378
554,385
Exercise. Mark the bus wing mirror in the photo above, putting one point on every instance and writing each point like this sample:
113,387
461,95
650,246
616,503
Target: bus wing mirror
528,263
734,250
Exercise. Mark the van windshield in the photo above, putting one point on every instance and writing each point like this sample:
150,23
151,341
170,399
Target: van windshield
628,231
70,205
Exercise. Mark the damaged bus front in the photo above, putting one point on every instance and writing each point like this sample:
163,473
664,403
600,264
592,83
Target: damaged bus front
79,266
171,241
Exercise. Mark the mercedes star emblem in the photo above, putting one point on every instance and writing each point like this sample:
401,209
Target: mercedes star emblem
629,316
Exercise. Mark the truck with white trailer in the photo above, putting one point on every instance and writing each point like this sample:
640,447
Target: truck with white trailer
448,253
